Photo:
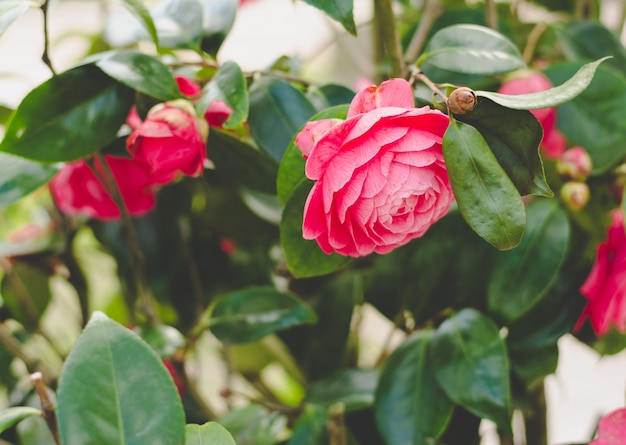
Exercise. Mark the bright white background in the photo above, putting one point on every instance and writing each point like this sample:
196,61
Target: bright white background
585,385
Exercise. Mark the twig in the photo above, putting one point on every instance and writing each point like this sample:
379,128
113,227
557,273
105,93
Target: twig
194,276
431,11
228,392
533,40
337,425
146,300
389,35
77,280
16,349
47,406
417,74
491,15
45,57
535,417
622,21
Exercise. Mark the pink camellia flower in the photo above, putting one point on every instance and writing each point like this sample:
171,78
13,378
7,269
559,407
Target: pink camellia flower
605,287
574,163
612,429
216,114
381,176
171,141
78,191
553,143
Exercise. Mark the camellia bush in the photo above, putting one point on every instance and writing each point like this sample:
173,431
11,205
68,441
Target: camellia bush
197,254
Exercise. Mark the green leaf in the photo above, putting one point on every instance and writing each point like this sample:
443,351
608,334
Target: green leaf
179,23
242,162
586,39
354,388
531,365
211,433
68,117
304,257
522,276
164,340
229,86
410,406
115,390
26,293
340,10
311,428
137,8
487,198
141,72
471,366
277,112
595,119
11,416
514,137
254,425
553,97
471,49
291,169
20,176
10,10
253,313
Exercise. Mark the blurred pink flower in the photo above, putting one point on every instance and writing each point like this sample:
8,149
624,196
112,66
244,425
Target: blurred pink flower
78,191
380,175
553,143
171,141
612,429
605,287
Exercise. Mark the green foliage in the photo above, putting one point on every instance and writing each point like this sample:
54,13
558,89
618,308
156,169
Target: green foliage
137,8
229,86
21,176
211,433
340,10
15,414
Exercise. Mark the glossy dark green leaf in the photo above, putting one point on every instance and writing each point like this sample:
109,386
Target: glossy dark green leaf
472,367
242,162
105,395
329,95
340,10
254,424
594,119
448,267
304,257
10,10
253,313
410,406
487,198
352,387
141,72
514,137
471,49
590,40
20,176
11,416
568,89
229,86
164,340
291,169
137,8
277,112
26,293
68,117
311,428
522,276
211,433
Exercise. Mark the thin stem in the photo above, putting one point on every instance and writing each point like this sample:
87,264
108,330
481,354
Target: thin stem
622,21
78,281
194,276
416,75
45,57
431,11
389,36
583,9
16,349
48,408
533,40
146,299
491,14
228,392
505,438
535,418
337,425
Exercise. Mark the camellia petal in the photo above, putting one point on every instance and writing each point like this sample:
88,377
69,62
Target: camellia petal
391,93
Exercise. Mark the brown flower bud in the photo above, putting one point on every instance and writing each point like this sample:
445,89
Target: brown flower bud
575,163
575,195
462,100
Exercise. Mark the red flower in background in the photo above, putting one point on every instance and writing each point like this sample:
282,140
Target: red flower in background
605,287
553,143
78,191
381,176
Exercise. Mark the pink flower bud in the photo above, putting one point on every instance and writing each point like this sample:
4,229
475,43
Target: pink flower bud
575,163
575,195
